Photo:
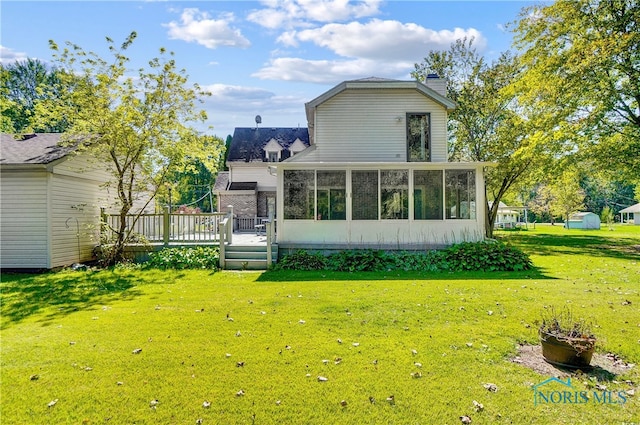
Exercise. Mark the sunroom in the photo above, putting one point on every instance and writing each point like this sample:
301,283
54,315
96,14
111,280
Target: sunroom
379,205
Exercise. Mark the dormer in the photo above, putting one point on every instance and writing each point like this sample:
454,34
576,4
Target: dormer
272,151
297,146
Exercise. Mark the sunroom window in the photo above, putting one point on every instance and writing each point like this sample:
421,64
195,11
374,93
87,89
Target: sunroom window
299,194
427,195
364,188
460,194
394,194
332,203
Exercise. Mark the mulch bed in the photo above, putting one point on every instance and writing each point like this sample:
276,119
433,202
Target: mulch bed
604,367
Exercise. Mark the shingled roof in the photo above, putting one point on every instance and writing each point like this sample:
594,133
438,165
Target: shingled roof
248,143
38,148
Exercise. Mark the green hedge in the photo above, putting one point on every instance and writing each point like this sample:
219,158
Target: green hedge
467,256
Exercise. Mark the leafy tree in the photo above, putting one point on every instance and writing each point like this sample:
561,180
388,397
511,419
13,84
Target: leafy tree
541,203
607,217
581,74
24,85
568,196
488,124
139,126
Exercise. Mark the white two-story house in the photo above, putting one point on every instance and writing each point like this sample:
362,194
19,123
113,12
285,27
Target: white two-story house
376,173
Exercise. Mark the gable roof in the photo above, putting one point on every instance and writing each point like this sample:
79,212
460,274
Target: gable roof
632,209
380,83
38,148
248,143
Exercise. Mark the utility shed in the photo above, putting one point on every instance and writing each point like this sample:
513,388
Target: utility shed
584,220
49,203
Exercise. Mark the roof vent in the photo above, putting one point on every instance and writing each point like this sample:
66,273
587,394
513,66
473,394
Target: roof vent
433,76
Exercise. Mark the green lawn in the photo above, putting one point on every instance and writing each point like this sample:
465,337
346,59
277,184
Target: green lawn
254,345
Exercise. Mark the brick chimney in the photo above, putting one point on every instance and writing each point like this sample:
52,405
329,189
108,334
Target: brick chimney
434,82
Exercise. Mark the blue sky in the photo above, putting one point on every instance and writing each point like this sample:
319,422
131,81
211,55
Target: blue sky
262,58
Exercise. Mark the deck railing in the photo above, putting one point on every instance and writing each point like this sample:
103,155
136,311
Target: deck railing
166,228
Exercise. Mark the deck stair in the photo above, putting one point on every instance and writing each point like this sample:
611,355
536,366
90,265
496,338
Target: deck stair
248,257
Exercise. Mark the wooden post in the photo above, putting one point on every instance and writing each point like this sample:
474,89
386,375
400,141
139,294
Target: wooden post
166,226
269,254
221,232
230,224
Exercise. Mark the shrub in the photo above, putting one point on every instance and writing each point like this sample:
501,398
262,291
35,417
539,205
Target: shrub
185,258
486,256
467,256
302,260
359,261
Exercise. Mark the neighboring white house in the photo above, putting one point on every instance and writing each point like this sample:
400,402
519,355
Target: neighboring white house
49,203
376,174
507,217
631,214
584,220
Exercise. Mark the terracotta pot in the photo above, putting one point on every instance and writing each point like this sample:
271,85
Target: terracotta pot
570,352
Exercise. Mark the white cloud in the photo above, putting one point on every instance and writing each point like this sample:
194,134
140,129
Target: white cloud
298,13
382,48
231,106
383,40
332,71
199,27
8,55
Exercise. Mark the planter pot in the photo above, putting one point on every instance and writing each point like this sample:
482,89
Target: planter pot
567,352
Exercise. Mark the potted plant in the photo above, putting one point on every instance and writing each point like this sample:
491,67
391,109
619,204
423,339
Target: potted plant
566,341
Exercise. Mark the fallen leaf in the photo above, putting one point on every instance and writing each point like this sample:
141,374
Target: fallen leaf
238,333
465,419
372,400
491,387
416,375
490,313
137,351
416,364
34,377
356,344
239,364
240,393
302,322
343,403
391,399
478,406
227,355
338,360
153,403
52,403
325,361
119,383
414,352
322,379
339,341
278,402
206,404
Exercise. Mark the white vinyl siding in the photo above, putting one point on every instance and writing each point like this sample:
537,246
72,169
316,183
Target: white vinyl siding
369,125
254,173
24,228
73,199
38,204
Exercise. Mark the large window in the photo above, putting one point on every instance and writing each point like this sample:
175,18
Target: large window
394,194
418,138
460,194
364,186
427,195
332,203
299,190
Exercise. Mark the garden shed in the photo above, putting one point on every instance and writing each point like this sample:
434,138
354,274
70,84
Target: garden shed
631,214
584,220
50,202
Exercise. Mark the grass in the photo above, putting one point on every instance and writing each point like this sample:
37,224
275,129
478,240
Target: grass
71,336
